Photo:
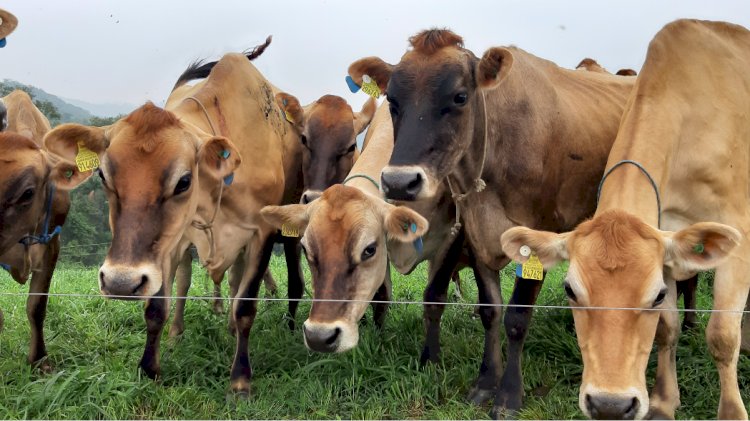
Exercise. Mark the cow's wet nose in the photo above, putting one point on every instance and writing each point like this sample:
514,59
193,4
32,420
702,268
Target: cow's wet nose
309,195
123,283
612,407
322,338
401,185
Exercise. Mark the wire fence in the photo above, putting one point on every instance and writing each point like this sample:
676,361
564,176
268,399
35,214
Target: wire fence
102,253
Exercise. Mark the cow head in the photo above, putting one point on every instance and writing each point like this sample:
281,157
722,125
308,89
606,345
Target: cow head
153,168
25,177
436,102
328,129
344,239
618,261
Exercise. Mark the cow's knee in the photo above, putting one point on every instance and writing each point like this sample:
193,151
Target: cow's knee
723,338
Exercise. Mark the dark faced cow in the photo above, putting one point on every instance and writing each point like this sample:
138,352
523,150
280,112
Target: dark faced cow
517,140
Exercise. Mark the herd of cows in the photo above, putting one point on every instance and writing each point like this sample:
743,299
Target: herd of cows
638,181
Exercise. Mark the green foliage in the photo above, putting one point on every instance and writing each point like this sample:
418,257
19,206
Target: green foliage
85,235
95,344
103,121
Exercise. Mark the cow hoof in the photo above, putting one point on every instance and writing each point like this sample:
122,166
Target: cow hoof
175,332
152,372
478,396
43,366
657,414
218,307
428,357
689,325
503,413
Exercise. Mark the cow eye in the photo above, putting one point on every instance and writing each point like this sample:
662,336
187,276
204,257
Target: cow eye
460,99
101,176
183,184
26,196
351,148
569,291
393,107
660,297
369,251
303,139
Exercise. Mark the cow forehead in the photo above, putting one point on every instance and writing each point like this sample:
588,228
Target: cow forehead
327,115
16,153
342,215
425,71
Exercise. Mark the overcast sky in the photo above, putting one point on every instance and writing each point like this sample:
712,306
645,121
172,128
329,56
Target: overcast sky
132,51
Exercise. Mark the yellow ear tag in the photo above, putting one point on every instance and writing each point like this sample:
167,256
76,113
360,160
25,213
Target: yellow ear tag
288,117
370,87
289,231
86,160
532,268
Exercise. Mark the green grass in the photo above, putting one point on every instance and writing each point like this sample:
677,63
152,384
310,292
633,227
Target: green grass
95,345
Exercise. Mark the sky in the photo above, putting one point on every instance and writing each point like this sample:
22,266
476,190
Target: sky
107,51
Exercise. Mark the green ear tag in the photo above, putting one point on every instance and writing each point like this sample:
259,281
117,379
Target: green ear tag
224,154
370,87
699,248
68,174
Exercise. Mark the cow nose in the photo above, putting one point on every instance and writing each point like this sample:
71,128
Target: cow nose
401,185
309,195
123,283
612,407
322,338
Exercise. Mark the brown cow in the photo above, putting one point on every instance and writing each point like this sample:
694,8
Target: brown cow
626,72
535,134
687,113
328,129
8,24
33,205
591,65
171,181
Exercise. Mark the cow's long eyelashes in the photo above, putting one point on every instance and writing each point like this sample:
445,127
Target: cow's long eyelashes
369,252
660,297
26,197
569,292
393,106
303,139
101,176
183,184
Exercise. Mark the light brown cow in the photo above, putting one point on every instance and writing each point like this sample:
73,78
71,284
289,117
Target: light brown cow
519,139
591,65
169,178
686,135
33,205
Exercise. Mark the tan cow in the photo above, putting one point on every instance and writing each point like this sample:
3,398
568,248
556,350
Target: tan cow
591,65
684,135
518,139
197,172
33,206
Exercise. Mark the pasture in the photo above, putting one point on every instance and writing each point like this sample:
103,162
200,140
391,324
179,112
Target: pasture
95,344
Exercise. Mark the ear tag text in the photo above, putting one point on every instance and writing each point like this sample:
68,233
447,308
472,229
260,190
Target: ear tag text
86,160
289,231
370,87
352,84
531,269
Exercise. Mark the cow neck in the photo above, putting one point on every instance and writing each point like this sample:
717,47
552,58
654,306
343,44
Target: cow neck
207,227
478,183
375,156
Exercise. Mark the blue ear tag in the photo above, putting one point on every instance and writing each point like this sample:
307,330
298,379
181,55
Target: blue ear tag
229,179
3,42
413,227
352,85
3,265
284,101
418,245
224,154
519,270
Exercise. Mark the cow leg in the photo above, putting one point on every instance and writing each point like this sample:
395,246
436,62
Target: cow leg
257,256
183,278
665,396
36,306
156,313
384,293
723,332
517,320
270,284
218,302
235,277
687,289
292,252
489,371
436,294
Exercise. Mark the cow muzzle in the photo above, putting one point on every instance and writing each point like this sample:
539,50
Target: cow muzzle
129,282
613,406
310,195
337,336
407,183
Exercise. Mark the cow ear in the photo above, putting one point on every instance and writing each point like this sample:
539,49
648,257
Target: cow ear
362,119
67,140
66,176
292,218
494,67
218,158
375,68
520,242
701,246
291,109
404,224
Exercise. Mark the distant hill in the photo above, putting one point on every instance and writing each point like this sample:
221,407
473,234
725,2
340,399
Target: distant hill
70,110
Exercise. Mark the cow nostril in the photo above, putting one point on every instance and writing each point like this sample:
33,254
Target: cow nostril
589,404
332,339
305,199
144,280
415,183
634,405
101,277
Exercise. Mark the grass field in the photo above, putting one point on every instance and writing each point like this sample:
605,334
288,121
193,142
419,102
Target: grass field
95,345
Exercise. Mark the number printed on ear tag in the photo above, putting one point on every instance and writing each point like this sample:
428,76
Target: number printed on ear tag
532,269
86,160
289,231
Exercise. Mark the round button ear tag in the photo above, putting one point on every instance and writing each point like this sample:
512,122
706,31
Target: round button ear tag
525,251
